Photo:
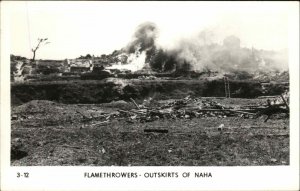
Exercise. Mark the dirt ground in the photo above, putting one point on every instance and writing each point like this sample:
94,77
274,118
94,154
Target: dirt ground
46,133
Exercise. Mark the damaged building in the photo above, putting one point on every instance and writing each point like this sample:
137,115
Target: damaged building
80,65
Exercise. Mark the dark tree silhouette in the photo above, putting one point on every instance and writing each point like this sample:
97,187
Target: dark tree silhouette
41,41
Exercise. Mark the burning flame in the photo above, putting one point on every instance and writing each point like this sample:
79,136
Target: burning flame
136,61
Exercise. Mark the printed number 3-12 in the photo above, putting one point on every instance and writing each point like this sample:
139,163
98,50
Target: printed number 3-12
25,175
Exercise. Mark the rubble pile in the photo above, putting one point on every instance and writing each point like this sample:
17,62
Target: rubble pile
186,108
47,113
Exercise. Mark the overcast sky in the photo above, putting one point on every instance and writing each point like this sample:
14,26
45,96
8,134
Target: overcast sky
79,28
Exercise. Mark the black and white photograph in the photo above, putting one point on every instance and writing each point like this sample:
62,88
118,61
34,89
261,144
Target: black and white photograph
151,84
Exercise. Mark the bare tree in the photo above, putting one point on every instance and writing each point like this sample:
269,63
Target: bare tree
41,41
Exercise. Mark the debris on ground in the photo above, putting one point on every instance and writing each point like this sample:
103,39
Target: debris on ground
180,132
52,113
186,108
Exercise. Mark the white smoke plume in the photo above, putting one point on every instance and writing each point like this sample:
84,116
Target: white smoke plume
143,38
201,52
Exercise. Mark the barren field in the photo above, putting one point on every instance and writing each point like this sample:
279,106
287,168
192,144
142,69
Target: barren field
50,133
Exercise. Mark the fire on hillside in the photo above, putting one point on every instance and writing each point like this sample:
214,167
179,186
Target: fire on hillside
198,57
198,103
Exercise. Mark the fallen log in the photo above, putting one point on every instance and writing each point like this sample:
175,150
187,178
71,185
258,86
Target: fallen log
123,111
101,123
136,105
130,112
278,135
141,111
243,112
156,130
213,97
252,106
264,97
230,110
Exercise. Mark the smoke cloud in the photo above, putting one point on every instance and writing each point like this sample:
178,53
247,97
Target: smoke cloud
143,38
200,52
